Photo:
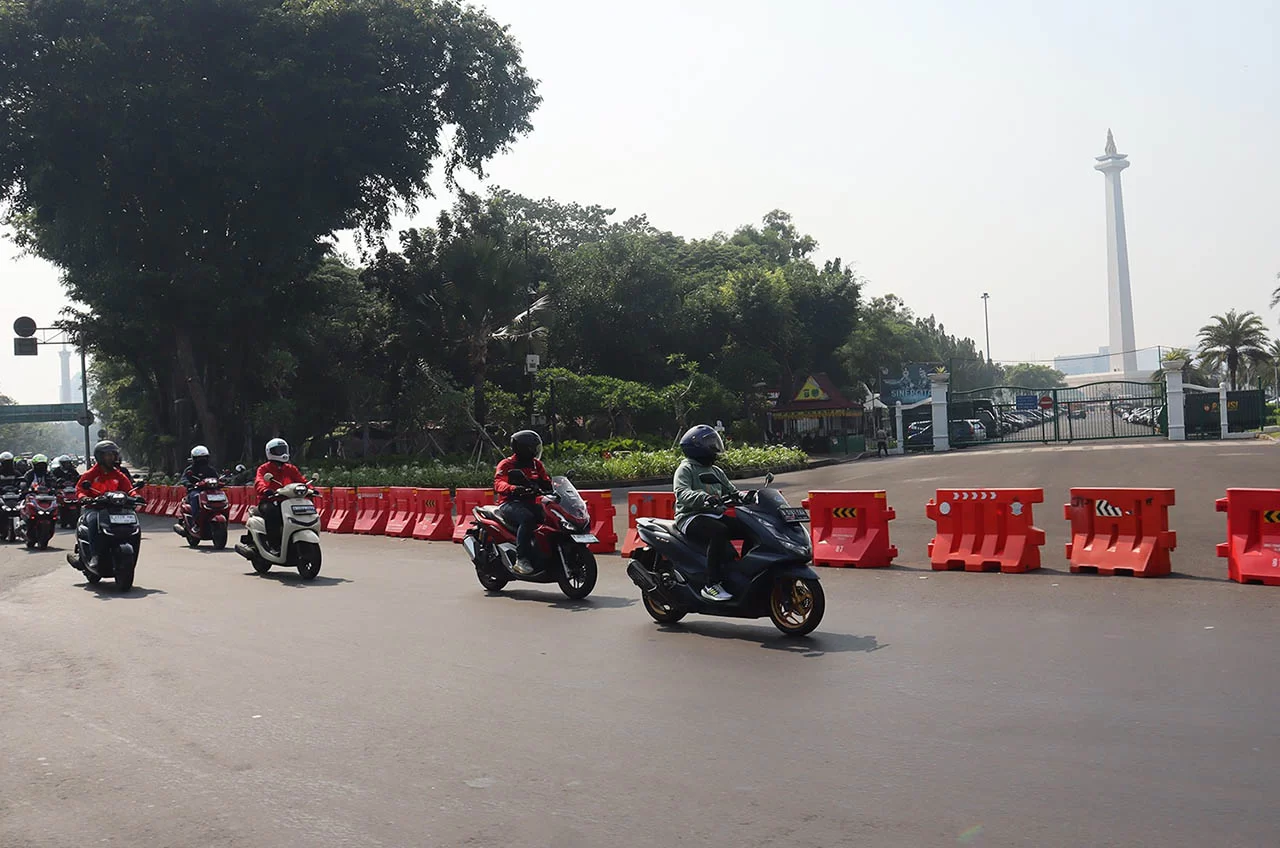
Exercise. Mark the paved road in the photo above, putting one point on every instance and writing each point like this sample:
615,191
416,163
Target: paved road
392,703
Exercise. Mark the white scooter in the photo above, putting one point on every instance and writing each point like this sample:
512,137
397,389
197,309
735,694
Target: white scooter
299,534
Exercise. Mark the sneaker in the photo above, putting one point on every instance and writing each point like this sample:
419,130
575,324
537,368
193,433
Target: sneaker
522,566
716,592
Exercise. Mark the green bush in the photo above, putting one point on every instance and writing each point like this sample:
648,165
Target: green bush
638,465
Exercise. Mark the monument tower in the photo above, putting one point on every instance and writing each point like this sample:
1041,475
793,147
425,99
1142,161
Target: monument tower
1123,352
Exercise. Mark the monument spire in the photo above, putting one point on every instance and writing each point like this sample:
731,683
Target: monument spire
1123,344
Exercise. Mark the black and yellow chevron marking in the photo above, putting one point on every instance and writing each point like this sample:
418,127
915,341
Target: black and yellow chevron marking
845,512
1271,516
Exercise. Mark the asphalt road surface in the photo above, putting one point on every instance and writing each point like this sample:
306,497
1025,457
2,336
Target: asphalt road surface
392,703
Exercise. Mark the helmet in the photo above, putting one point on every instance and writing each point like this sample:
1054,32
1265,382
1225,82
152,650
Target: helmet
277,450
702,444
6,457
106,448
40,463
199,452
65,460
526,445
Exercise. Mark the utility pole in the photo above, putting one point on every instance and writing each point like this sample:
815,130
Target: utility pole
986,318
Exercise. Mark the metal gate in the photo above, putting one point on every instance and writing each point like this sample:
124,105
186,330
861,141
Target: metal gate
1107,410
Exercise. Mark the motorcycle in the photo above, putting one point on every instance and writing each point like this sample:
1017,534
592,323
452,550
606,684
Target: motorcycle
119,538
299,533
40,517
560,553
774,577
10,516
68,506
211,522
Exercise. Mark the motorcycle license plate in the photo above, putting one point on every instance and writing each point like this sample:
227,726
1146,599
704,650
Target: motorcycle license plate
793,514
585,538
216,498
123,519
303,509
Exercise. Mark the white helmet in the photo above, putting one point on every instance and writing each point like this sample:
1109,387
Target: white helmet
199,452
6,457
277,450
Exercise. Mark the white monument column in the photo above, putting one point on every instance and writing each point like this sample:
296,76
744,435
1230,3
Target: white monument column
902,433
1174,400
1124,357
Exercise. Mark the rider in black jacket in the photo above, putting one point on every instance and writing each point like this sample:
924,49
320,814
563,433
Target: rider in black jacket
201,468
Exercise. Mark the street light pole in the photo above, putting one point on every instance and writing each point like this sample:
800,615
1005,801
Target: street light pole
986,318
84,395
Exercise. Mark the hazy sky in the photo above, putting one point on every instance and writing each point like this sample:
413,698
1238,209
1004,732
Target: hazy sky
945,148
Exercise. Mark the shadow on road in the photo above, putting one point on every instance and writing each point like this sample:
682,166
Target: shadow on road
291,578
107,591
555,600
48,550
815,645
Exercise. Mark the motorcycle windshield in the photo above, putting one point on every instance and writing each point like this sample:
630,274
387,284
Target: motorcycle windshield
570,501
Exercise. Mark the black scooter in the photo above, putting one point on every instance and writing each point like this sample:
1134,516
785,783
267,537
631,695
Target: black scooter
119,538
774,577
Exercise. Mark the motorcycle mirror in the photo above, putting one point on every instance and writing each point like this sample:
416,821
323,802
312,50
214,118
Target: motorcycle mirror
268,476
141,484
239,468
709,478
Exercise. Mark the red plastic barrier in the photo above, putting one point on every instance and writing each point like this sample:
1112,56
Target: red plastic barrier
433,509
177,495
1120,531
402,511
985,530
467,500
602,513
850,528
1252,549
154,497
324,505
238,498
371,511
646,505
342,511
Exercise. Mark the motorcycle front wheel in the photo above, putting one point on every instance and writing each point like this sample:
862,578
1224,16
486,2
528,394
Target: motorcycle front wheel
124,575
796,605
219,534
308,560
580,578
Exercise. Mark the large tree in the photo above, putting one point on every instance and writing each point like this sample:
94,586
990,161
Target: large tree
184,161
1233,339
1029,375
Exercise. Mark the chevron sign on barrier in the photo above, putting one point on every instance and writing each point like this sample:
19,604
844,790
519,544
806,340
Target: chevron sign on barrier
1109,509
845,512
1271,516
973,496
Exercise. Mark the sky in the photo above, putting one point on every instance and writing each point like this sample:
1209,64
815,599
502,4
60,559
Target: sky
944,148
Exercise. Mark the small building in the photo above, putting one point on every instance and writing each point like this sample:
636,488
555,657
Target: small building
819,419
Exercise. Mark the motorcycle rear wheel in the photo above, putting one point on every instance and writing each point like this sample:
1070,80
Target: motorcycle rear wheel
491,582
796,606
659,611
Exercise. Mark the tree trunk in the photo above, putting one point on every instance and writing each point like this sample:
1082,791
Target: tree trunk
196,389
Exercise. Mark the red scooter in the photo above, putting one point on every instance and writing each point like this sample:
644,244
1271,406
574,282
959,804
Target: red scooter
39,516
560,553
68,506
211,521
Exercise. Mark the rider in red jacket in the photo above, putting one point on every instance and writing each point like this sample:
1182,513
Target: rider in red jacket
282,474
104,476
517,501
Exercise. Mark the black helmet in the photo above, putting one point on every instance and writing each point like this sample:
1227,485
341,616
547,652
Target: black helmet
106,448
526,445
702,444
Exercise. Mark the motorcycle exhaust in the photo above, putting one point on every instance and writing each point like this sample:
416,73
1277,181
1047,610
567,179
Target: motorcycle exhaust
473,549
244,552
641,577
177,528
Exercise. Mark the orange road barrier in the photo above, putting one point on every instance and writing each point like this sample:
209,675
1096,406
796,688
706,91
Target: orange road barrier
1252,549
467,500
646,505
600,503
850,529
342,511
402,511
433,509
1120,531
985,530
371,511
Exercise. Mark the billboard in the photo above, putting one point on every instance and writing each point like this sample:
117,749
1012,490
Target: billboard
909,384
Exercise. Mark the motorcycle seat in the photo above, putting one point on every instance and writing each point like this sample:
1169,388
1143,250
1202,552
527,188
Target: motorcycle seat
664,524
492,512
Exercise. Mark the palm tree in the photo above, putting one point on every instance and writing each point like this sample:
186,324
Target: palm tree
1275,295
1194,373
1232,338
